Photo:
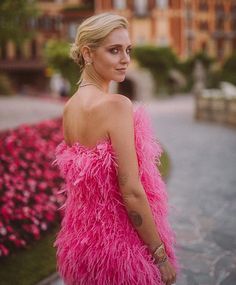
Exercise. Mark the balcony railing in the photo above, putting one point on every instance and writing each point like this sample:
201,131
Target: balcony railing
78,8
78,11
22,64
222,34
220,14
190,34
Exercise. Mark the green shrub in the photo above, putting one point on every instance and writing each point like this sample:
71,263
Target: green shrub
29,266
214,78
159,60
187,67
165,165
57,57
229,69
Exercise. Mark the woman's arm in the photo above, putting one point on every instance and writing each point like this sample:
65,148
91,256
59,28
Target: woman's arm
140,214
121,131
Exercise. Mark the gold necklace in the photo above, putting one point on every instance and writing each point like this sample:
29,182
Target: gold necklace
90,83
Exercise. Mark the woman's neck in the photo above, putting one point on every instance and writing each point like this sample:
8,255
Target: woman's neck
97,81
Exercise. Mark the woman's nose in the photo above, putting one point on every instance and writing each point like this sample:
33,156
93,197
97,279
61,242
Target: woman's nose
125,57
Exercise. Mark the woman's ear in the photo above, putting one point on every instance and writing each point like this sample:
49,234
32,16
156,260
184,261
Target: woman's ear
86,53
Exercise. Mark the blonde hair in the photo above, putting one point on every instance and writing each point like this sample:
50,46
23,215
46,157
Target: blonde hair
93,31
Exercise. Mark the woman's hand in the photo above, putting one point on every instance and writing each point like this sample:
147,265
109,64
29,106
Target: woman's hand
168,273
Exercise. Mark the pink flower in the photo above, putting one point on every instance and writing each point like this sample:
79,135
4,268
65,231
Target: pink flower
3,250
12,237
29,184
50,217
35,231
9,229
3,231
44,226
42,185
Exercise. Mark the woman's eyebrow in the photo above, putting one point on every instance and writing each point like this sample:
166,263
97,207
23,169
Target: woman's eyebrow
118,45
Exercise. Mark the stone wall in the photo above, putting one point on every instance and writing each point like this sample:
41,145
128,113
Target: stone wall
216,108
142,83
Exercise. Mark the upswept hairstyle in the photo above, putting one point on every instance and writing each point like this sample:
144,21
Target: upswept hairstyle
93,31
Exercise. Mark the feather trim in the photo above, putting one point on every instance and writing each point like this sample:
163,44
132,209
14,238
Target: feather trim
97,244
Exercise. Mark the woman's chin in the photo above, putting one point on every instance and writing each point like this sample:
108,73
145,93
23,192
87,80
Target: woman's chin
120,79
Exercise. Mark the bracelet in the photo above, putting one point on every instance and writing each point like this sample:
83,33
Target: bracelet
162,261
161,246
160,254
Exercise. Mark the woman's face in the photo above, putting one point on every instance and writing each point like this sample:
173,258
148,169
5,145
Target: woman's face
112,57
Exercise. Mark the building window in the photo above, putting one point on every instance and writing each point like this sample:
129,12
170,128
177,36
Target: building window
234,44
203,26
119,4
220,48
57,23
162,4
219,7
33,49
219,10
188,6
203,6
220,24
204,46
174,4
141,7
233,10
32,23
233,24
18,52
45,23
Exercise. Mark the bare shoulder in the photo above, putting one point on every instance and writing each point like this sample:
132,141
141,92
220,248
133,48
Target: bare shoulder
119,105
67,105
120,126
120,100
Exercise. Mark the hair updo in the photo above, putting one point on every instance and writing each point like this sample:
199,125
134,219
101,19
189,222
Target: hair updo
93,31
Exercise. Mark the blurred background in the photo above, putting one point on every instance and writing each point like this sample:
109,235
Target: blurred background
183,68
173,35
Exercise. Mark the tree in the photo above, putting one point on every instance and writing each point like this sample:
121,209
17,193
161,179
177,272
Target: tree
57,56
16,20
159,60
228,72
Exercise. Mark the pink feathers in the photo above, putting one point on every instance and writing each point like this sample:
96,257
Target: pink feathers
97,244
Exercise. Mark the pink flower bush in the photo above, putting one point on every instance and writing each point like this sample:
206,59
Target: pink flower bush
29,183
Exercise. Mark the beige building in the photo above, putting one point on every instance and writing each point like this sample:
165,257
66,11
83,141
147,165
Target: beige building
187,26
210,25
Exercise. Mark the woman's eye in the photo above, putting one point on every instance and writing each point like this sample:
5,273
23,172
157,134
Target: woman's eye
114,50
129,51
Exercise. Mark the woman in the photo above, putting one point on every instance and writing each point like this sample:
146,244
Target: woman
114,229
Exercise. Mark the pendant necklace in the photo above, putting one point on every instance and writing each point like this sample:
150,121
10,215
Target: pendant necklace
90,83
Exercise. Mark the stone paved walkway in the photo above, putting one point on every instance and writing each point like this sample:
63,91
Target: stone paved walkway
202,188
202,183
17,110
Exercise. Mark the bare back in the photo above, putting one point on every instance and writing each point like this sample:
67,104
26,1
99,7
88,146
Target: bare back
88,119
84,119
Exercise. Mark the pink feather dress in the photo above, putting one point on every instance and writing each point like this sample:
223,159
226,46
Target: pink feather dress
97,244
